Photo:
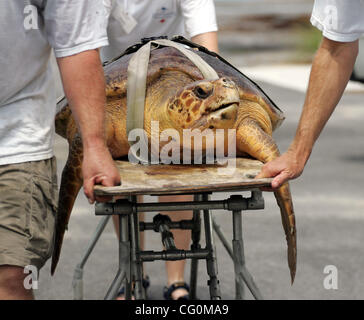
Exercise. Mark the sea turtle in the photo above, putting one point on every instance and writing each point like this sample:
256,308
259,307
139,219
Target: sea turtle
178,97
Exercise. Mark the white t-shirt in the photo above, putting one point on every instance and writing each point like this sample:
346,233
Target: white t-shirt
155,18
28,31
339,20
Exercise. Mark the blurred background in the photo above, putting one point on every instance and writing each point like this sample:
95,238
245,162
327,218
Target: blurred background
253,32
273,42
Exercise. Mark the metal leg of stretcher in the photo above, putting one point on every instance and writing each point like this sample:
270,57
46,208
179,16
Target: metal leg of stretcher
136,263
195,237
131,258
130,266
123,273
77,282
211,261
237,255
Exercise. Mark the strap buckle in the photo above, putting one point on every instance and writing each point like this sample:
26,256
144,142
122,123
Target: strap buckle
148,39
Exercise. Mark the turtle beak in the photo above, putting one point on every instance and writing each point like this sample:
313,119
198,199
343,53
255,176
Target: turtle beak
225,116
222,112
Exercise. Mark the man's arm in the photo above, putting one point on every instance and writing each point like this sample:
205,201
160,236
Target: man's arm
331,70
208,40
84,86
200,22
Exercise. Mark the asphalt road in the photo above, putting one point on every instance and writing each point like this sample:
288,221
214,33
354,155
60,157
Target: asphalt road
329,206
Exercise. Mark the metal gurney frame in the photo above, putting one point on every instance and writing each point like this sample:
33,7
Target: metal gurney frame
131,258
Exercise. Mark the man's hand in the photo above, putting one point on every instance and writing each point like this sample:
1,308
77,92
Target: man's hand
284,168
98,168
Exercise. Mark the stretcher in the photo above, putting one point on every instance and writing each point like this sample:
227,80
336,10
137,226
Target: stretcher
201,181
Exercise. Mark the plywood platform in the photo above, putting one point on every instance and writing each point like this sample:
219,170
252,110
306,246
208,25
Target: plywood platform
182,179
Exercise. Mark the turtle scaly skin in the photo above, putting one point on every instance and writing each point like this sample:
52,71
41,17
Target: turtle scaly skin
179,98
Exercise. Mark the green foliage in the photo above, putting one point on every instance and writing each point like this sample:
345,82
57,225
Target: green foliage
310,39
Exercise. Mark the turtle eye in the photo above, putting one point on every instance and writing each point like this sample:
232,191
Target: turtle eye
201,92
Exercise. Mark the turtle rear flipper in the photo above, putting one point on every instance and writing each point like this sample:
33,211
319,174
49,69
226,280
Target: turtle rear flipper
63,117
253,140
71,183
284,201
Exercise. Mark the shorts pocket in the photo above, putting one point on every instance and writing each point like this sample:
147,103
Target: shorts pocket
42,215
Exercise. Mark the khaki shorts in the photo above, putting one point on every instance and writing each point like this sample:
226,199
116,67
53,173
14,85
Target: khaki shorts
28,205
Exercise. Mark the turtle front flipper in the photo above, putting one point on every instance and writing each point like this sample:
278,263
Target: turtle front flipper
253,140
71,183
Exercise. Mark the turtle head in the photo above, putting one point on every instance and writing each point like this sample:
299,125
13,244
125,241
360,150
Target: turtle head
205,104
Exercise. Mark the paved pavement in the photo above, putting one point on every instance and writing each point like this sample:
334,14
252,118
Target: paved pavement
330,217
290,76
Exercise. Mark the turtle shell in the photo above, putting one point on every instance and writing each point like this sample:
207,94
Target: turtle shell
163,59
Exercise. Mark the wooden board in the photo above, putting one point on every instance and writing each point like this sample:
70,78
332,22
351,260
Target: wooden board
178,179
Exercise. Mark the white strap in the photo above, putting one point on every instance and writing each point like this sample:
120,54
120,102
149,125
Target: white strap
137,81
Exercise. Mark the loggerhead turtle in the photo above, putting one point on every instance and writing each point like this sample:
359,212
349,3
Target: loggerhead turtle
178,97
